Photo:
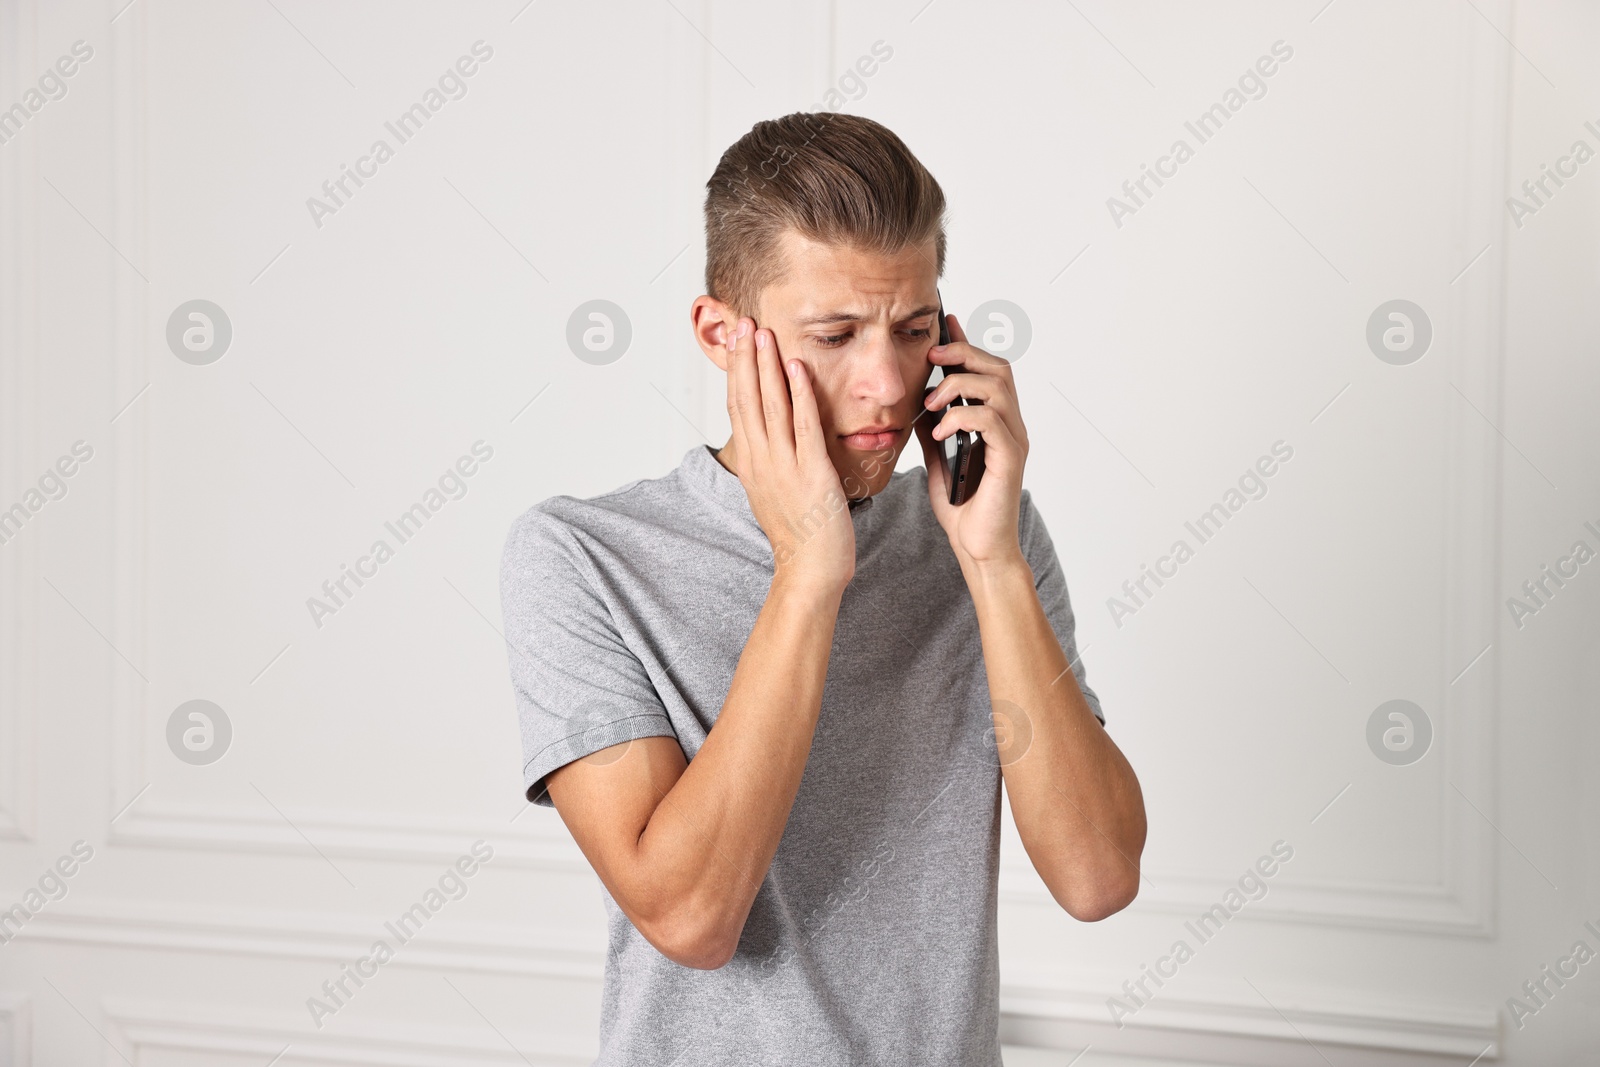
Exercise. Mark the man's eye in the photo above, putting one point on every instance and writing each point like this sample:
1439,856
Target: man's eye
836,340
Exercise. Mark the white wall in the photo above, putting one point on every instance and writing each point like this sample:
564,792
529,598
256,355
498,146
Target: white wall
368,353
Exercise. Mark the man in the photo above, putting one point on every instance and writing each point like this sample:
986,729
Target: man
777,725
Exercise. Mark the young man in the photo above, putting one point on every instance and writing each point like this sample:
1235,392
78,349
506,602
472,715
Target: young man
777,725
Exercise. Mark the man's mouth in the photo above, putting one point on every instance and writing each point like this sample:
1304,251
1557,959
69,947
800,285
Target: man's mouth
872,438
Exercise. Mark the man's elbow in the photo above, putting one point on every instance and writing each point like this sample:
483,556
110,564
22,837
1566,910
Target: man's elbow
1099,898
693,941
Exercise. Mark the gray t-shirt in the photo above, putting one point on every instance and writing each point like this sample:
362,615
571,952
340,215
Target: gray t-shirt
872,939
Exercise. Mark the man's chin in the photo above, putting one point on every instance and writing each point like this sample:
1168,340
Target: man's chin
866,473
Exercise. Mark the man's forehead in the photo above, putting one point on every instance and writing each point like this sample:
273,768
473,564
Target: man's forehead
831,283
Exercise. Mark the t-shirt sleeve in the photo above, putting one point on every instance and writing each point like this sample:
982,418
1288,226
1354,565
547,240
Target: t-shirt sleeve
1051,583
579,688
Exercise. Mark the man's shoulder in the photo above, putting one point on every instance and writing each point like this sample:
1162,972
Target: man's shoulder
559,523
564,510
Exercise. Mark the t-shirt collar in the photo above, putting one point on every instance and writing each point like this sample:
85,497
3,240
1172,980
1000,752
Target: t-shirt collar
705,473
702,470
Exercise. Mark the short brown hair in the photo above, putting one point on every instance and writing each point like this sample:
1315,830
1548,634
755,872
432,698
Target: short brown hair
836,178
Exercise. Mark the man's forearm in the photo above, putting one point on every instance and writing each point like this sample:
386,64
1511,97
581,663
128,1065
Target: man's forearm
710,840
1076,800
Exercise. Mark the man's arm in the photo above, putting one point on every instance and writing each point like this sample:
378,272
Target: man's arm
683,846
1076,800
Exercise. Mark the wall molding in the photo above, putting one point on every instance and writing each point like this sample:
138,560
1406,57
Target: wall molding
483,948
1411,909
130,373
1046,1010
540,843
1460,903
136,1027
1043,1011
1051,1009
20,462
16,1029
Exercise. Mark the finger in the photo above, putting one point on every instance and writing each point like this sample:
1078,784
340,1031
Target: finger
975,418
977,360
972,358
774,396
747,389
987,423
741,443
808,443
985,388
993,391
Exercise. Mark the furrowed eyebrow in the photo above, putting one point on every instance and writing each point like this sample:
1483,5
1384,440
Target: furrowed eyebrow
833,318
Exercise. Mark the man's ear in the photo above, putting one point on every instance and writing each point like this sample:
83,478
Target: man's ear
713,323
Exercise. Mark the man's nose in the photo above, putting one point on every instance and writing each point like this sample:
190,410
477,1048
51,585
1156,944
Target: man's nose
877,370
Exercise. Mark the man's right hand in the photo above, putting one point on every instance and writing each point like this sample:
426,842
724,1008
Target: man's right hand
782,461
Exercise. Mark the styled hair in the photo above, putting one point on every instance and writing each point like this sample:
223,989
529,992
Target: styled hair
834,178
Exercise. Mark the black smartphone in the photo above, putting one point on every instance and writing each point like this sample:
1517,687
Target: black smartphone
963,451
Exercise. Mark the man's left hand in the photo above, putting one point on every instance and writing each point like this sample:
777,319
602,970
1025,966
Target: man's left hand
982,531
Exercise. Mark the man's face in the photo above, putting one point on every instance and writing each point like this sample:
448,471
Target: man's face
862,323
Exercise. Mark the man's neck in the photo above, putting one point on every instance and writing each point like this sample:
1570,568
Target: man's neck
728,456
